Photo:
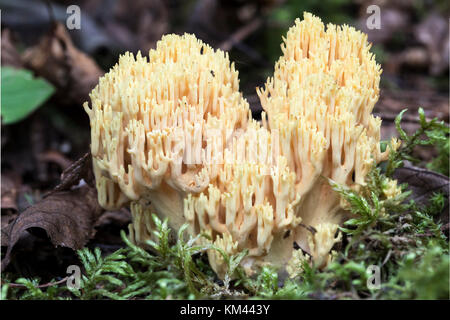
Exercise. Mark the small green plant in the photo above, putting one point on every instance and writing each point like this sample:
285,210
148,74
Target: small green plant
431,133
370,204
422,274
102,275
175,271
30,291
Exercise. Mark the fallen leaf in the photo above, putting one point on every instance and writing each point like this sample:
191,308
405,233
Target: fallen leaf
57,59
423,184
6,219
67,217
9,188
10,55
80,169
35,20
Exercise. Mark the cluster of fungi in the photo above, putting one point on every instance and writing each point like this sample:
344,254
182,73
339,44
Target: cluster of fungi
172,135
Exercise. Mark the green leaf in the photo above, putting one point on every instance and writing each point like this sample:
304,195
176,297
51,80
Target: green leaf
21,94
422,118
352,222
398,120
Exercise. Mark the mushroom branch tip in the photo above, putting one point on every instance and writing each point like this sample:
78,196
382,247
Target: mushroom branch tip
171,134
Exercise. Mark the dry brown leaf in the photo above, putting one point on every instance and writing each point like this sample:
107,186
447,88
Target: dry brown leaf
423,184
57,59
10,55
9,188
6,219
80,169
67,217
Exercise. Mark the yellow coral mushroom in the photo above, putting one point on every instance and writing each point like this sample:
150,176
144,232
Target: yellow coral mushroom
173,135
149,121
322,94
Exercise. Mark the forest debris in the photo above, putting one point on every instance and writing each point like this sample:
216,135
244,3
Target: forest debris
67,217
392,102
6,219
9,189
423,184
56,58
10,184
10,56
392,20
433,54
119,217
80,169
147,21
434,34
241,34
415,57
29,19
55,157
39,145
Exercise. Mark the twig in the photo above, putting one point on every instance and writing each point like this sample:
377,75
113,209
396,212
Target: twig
241,34
51,14
45,285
